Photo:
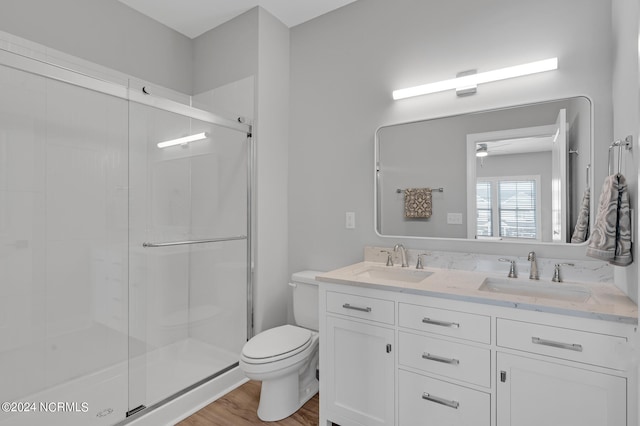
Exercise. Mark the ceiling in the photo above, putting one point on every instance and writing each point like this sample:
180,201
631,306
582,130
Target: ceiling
194,17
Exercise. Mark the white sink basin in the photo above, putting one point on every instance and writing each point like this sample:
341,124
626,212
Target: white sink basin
542,289
392,273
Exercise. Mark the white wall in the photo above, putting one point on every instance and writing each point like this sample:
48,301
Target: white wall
226,53
341,84
257,44
626,105
626,119
107,33
272,175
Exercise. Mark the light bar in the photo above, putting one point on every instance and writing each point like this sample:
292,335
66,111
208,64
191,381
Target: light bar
475,79
184,140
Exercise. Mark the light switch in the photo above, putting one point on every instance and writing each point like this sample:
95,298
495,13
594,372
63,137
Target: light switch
350,220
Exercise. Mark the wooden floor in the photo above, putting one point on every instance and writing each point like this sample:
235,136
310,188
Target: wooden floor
239,407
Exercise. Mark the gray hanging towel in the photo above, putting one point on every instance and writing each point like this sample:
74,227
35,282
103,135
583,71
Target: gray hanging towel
417,203
581,231
611,236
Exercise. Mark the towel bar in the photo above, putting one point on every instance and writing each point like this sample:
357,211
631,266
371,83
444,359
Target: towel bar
399,191
627,143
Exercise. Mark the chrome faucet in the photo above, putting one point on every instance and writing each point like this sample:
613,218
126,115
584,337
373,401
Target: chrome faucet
512,268
556,272
403,254
533,271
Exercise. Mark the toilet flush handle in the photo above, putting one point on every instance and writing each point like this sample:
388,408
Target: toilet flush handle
293,285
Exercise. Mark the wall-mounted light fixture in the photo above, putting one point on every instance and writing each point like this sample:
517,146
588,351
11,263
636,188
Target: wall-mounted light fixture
183,141
466,81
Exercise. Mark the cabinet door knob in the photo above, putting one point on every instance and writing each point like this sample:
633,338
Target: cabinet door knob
503,376
388,348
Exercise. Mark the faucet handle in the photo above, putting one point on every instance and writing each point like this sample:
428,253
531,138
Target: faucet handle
389,258
556,271
533,271
420,264
512,268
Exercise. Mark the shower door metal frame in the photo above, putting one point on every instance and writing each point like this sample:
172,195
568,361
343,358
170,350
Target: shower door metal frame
56,72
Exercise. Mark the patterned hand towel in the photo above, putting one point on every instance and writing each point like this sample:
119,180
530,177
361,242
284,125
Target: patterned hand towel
417,203
581,231
611,236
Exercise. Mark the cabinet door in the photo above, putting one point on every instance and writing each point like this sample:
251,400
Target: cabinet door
532,393
360,362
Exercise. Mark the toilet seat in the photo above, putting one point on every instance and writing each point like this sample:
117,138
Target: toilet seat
276,344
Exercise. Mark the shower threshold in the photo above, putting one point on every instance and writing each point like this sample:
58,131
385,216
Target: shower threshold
101,398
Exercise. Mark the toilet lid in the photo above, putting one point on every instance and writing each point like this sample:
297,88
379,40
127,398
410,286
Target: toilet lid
276,341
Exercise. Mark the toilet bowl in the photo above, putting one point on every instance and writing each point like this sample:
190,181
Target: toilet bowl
285,358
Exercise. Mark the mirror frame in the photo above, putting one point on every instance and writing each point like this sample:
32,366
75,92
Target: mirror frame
590,177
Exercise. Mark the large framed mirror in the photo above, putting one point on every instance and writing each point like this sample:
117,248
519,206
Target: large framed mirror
517,174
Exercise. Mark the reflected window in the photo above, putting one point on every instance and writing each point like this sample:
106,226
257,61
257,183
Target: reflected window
508,207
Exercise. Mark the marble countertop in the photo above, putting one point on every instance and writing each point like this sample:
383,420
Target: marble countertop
606,302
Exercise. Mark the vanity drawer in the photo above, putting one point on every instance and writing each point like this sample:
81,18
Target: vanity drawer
423,400
369,308
455,360
447,323
581,346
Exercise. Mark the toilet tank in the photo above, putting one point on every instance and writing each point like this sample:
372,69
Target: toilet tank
305,299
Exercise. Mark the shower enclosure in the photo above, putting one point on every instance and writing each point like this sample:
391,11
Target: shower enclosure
124,266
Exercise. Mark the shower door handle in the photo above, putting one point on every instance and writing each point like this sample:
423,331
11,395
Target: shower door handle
189,242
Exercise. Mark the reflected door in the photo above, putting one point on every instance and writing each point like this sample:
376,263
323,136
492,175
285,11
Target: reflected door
559,182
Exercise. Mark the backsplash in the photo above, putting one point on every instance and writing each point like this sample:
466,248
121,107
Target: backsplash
583,271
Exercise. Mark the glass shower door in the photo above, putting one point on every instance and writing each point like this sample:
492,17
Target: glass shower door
188,253
63,252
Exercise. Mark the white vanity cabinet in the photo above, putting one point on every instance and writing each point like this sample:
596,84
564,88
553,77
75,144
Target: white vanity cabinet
358,359
407,359
566,385
444,366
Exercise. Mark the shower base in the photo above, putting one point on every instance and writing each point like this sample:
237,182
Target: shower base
101,398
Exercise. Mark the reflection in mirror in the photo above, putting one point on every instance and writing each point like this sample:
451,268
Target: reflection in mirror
511,174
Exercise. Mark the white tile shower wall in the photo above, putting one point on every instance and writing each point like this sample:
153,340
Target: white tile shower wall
63,162
584,270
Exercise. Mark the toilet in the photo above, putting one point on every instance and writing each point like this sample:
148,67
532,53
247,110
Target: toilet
285,358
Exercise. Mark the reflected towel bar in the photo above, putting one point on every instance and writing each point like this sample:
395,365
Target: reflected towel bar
183,243
399,191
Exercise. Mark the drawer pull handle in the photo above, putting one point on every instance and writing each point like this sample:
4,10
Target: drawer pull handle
438,400
570,346
440,323
356,308
440,359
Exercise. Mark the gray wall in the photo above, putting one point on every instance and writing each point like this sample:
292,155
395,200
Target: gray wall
257,44
107,33
254,44
341,84
626,115
226,53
